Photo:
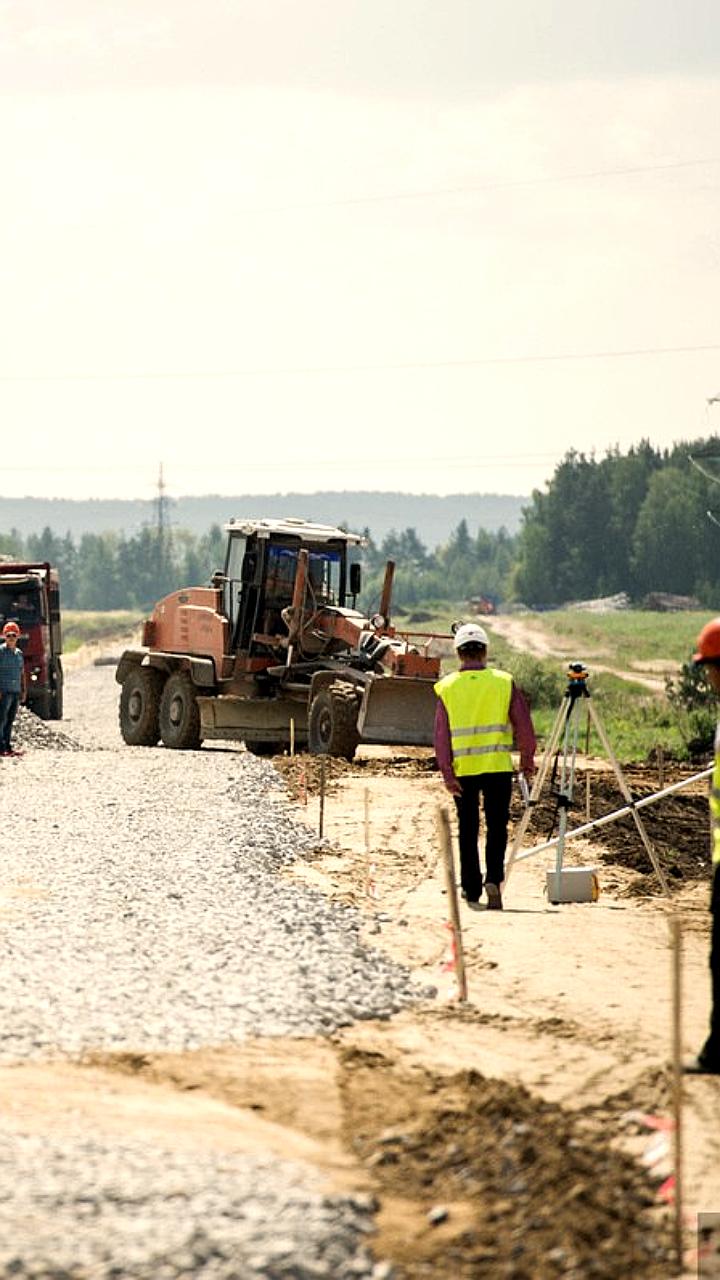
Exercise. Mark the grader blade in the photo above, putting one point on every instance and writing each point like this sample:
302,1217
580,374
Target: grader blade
398,711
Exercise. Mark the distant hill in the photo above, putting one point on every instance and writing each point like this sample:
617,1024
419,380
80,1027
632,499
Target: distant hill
432,517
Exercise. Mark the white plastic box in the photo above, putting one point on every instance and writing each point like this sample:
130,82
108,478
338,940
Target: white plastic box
574,884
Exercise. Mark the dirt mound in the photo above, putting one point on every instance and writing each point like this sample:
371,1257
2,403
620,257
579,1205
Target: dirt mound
678,826
30,733
304,771
470,1176
479,1156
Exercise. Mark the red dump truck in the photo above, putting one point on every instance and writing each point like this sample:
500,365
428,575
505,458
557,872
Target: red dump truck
30,596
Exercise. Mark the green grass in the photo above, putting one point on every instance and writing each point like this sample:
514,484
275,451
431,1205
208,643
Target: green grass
81,626
636,723
623,637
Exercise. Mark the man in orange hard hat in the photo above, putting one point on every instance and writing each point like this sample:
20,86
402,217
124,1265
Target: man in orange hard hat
478,714
12,684
708,1059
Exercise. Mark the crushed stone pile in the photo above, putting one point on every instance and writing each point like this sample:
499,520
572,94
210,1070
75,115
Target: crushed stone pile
30,733
137,1211
151,913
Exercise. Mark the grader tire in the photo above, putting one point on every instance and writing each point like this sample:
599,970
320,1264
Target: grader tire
332,728
180,714
139,707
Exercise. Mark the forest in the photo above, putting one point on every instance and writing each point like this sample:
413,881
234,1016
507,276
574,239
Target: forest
642,521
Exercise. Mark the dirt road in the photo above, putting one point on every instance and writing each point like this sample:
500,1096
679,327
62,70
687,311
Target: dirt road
520,632
494,1139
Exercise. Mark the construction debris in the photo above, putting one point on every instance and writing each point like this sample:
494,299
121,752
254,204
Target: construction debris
603,604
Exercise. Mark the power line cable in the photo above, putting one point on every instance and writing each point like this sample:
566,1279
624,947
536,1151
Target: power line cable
290,370
500,184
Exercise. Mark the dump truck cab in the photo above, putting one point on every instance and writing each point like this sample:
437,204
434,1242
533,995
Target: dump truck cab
30,596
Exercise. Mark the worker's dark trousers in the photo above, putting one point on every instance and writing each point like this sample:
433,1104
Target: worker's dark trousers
711,1049
8,707
496,789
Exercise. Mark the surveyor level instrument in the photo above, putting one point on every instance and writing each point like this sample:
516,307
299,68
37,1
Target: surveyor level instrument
576,699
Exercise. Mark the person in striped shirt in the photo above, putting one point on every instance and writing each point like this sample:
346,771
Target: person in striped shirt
12,685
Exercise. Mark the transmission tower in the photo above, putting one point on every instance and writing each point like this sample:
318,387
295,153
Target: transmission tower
162,529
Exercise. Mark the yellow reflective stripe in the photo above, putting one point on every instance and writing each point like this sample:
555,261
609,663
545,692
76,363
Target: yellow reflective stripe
492,749
480,728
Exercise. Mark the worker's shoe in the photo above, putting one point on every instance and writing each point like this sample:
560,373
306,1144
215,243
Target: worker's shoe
474,897
701,1066
494,897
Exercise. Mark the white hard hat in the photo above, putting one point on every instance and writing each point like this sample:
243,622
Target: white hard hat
469,633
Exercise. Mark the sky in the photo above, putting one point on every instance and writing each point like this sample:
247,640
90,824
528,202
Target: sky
293,245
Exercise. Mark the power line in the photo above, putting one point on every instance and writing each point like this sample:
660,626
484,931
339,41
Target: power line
500,184
290,370
478,462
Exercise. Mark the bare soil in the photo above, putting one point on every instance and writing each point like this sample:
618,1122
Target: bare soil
567,1026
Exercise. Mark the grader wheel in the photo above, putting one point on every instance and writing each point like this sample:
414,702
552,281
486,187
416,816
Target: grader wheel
332,728
180,714
139,707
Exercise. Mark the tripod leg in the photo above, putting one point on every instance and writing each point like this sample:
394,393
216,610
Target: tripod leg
567,779
538,784
628,797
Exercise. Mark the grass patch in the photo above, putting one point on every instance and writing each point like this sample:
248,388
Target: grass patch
82,626
625,636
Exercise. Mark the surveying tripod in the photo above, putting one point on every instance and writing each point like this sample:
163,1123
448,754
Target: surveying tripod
567,724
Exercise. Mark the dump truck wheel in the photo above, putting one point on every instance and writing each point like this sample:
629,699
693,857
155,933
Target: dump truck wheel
56,697
180,714
332,728
139,707
40,705
258,748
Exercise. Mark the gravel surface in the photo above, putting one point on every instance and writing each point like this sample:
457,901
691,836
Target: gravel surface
144,911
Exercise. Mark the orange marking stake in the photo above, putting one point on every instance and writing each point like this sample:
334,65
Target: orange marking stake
676,1184
456,957
370,865
450,965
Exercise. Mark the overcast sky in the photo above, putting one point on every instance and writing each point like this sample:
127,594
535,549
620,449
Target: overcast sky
426,245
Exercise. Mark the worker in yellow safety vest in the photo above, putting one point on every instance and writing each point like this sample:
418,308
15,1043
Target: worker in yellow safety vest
480,714
708,1059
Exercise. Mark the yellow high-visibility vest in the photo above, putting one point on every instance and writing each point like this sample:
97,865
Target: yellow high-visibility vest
715,801
478,707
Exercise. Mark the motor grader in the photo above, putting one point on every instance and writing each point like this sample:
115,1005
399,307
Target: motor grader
275,649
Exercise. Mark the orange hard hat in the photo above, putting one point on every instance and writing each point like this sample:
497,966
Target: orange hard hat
11,629
708,643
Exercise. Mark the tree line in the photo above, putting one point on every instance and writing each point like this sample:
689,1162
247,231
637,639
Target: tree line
642,521
112,571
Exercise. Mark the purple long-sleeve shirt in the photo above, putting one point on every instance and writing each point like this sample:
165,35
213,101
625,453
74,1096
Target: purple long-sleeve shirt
523,732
